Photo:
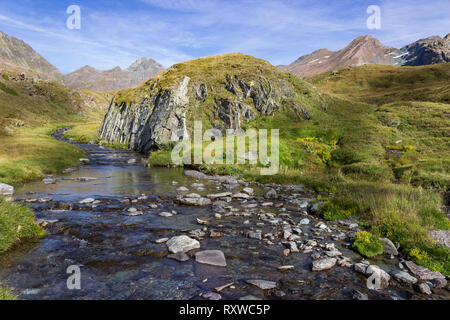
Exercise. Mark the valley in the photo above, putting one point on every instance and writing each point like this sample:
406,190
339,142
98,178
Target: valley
362,184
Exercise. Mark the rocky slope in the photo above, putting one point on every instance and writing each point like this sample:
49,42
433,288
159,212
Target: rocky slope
369,50
16,53
114,79
240,89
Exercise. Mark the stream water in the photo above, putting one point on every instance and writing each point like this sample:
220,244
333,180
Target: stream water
120,258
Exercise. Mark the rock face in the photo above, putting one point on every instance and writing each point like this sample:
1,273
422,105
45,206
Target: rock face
17,53
369,50
165,107
114,79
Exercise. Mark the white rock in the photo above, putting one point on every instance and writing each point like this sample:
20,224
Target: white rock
182,244
87,200
211,257
324,264
6,190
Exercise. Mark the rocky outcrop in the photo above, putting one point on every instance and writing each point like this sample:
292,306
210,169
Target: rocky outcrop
163,110
427,51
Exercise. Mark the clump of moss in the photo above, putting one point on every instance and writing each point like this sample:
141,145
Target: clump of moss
368,244
5,77
338,209
16,223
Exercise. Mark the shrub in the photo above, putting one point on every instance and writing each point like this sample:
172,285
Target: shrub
344,156
368,244
338,209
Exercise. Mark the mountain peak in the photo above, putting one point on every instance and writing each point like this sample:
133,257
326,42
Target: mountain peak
16,52
114,79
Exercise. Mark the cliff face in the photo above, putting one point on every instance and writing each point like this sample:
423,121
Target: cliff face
114,79
224,92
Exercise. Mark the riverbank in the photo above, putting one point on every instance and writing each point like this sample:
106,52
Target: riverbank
404,213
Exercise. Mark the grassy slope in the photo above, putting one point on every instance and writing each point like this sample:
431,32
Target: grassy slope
351,148
29,152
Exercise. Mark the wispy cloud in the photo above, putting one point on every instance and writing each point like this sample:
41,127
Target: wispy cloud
118,32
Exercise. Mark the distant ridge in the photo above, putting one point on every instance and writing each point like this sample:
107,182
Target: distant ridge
16,53
369,50
115,79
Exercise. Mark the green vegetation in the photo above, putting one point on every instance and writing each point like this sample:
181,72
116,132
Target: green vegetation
6,295
378,140
17,223
338,209
380,84
84,132
367,244
29,154
10,91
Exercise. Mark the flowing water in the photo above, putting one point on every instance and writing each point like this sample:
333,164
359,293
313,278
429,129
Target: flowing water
120,259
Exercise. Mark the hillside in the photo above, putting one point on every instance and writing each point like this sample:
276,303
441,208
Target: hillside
32,102
378,84
226,92
375,159
114,79
16,53
369,50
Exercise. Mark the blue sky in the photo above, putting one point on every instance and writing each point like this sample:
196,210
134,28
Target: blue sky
116,32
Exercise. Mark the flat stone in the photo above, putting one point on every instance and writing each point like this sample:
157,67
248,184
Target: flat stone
248,191
285,268
324,264
219,195
263,284
255,235
422,273
49,180
182,244
202,222
182,189
193,195
165,214
180,256
304,221
86,201
357,295
361,268
6,190
135,214
212,296
211,257
404,277
240,196
162,240
199,202
423,288
389,247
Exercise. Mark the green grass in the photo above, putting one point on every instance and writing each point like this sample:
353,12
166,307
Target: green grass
30,153
371,141
380,84
16,224
6,294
